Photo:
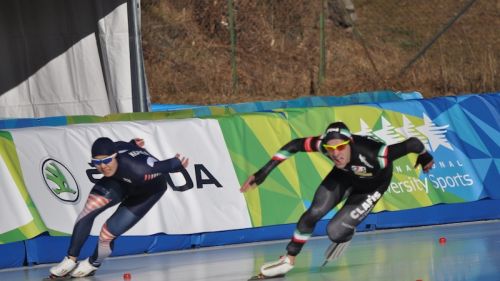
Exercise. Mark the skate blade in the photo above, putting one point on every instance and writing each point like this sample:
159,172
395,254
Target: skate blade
67,277
56,278
263,277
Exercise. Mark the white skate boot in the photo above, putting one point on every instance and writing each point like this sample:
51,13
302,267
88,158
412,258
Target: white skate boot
274,269
83,269
63,268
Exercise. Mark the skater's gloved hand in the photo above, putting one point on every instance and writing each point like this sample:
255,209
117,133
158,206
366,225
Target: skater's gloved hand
426,161
139,142
254,180
184,160
248,184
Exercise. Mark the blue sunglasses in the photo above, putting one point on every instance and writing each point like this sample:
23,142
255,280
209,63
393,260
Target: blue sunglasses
105,161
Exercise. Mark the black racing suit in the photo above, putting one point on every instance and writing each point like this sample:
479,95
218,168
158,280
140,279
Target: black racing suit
138,184
362,182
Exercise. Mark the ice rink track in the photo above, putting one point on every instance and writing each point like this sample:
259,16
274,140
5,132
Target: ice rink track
471,253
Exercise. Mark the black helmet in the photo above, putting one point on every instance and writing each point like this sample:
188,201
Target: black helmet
337,130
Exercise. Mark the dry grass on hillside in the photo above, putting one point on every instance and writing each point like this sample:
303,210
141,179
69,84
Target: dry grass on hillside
187,49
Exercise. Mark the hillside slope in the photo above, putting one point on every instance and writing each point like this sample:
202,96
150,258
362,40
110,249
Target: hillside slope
188,54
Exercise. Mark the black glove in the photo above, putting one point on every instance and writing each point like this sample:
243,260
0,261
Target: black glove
424,159
260,176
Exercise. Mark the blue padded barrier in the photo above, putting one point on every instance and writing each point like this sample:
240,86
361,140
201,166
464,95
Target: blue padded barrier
440,214
48,249
131,245
257,234
12,254
164,242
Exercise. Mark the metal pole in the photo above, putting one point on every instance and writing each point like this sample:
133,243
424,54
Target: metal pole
140,97
322,46
232,32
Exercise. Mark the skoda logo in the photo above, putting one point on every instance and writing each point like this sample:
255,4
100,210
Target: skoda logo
60,181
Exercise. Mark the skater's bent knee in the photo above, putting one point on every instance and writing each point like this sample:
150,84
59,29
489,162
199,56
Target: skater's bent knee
340,234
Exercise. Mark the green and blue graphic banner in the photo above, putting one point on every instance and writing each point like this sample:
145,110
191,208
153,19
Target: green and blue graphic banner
459,132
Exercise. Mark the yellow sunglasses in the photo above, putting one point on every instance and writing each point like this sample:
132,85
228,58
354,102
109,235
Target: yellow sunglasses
341,146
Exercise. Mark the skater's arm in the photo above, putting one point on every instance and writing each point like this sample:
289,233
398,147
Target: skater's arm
130,145
173,164
411,145
122,145
310,144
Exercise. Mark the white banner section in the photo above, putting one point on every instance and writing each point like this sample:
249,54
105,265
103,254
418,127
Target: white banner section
13,208
54,162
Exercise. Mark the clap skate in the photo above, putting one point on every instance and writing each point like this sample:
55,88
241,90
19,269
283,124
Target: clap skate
334,251
62,270
275,269
68,269
84,268
69,277
54,277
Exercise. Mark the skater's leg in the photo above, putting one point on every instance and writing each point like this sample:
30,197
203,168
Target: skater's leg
343,225
327,196
106,193
132,209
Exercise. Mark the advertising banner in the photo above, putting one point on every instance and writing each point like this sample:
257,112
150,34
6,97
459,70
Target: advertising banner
12,205
20,219
44,170
54,161
289,189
